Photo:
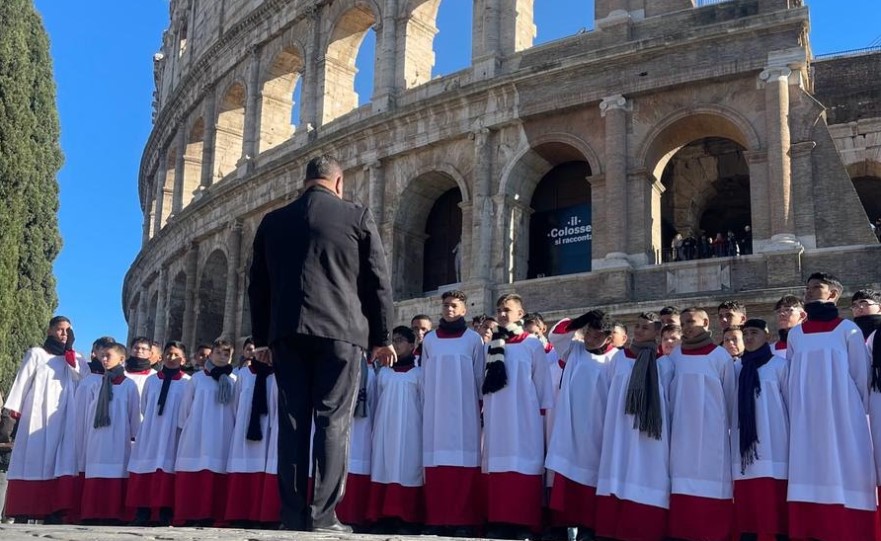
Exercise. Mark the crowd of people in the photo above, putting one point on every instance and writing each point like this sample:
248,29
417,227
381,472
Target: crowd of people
499,426
703,246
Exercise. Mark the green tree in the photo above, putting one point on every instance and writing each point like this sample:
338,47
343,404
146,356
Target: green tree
30,157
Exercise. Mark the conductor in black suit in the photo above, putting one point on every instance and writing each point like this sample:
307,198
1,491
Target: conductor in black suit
320,296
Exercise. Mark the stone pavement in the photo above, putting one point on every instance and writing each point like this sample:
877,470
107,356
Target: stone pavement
32,532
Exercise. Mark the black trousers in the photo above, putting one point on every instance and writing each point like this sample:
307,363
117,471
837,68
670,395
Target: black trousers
318,378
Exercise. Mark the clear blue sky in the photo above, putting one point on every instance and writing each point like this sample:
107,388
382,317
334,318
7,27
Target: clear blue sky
103,52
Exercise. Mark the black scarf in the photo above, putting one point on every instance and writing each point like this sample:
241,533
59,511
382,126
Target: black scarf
495,377
783,334
407,360
457,326
361,405
749,387
135,364
96,367
53,346
220,374
259,403
821,311
868,324
643,398
168,375
105,395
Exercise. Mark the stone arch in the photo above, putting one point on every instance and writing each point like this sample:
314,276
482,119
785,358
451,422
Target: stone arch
419,32
211,298
428,205
866,178
346,37
167,195
230,129
278,84
177,300
192,170
515,175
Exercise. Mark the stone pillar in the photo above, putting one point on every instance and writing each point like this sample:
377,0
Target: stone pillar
598,225
517,29
759,207
310,110
375,188
209,102
160,192
141,329
510,243
180,142
234,250
389,59
776,81
643,228
802,192
161,316
481,208
191,296
466,251
150,211
614,110
485,40
251,129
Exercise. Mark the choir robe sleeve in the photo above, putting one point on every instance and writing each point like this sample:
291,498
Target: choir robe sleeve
561,336
80,424
478,357
729,389
81,369
134,411
665,380
186,403
859,363
541,377
23,382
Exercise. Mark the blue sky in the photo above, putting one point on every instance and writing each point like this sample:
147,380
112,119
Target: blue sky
102,52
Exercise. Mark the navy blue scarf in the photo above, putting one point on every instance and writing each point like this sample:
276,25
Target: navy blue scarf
749,387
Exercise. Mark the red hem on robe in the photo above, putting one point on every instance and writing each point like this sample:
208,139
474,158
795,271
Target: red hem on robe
700,519
829,522
760,506
199,495
33,499
104,498
352,509
562,327
810,327
572,504
243,495
391,500
153,490
514,498
627,520
270,510
69,497
454,496
706,350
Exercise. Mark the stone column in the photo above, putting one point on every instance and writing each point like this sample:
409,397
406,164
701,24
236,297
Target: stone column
209,102
614,110
251,129
482,208
466,251
598,226
180,142
141,328
485,41
375,188
160,192
150,211
234,250
776,81
161,316
644,218
510,243
313,74
759,207
802,192
389,59
191,296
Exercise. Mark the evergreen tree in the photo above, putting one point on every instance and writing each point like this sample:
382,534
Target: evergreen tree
30,158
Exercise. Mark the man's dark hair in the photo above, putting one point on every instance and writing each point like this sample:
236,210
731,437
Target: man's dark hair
456,294
829,279
223,344
140,340
478,319
58,319
671,327
510,297
650,317
176,344
322,167
732,328
490,318
789,301
669,311
248,341
599,321
406,333
734,306
867,295
417,317
103,342
118,348
204,346
534,318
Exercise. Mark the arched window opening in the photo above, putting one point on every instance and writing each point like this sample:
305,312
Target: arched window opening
167,195
279,99
228,137
352,50
869,191
193,162
442,255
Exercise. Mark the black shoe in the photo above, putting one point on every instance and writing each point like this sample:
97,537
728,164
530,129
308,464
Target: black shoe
53,519
333,527
522,534
462,531
434,530
407,528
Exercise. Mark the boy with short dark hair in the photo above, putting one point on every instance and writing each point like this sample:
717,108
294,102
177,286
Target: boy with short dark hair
732,341
669,315
828,397
95,365
731,313
138,367
790,311
396,495
452,370
671,336
865,305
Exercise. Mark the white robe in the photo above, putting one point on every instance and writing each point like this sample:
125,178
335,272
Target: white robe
43,393
513,428
397,428
155,446
556,373
206,425
576,440
634,466
362,430
874,413
772,425
246,456
452,372
828,397
778,349
701,400
107,449
140,378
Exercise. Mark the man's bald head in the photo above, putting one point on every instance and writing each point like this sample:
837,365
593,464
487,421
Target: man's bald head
327,172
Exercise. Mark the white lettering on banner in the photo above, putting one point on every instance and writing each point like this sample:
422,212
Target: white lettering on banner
571,232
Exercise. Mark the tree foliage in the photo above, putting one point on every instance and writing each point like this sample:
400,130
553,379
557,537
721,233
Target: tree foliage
30,157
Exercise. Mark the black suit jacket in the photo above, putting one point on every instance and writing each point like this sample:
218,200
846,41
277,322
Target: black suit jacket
319,269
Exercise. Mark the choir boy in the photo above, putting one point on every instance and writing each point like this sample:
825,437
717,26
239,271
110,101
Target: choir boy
633,487
671,336
831,492
206,418
421,325
790,311
574,451
452,370
732,341
669,316
517,390
701,400
151,467
865,305
396,497
760,438
731,313
619,334
138,367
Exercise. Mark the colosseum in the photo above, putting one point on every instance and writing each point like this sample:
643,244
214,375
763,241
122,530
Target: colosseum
562,171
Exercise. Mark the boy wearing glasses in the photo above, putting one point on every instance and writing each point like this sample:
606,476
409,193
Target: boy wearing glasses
864,304
790,311
138,366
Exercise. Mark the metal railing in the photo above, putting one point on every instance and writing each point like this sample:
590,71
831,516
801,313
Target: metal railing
852,52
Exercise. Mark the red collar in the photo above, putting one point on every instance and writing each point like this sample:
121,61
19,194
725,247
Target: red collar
517,339
117,380
418,351
562,363
629,353
549,347
811,327
179,375
140,372
441,333
779,345
562,327
706,350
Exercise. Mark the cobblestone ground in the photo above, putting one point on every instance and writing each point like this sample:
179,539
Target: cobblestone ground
32,532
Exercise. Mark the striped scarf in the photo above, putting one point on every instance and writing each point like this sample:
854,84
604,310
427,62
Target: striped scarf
495,376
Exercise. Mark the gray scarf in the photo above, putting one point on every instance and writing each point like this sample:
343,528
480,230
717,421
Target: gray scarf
105,395
220,374
643,399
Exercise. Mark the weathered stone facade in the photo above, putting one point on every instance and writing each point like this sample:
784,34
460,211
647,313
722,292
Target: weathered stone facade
667,117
